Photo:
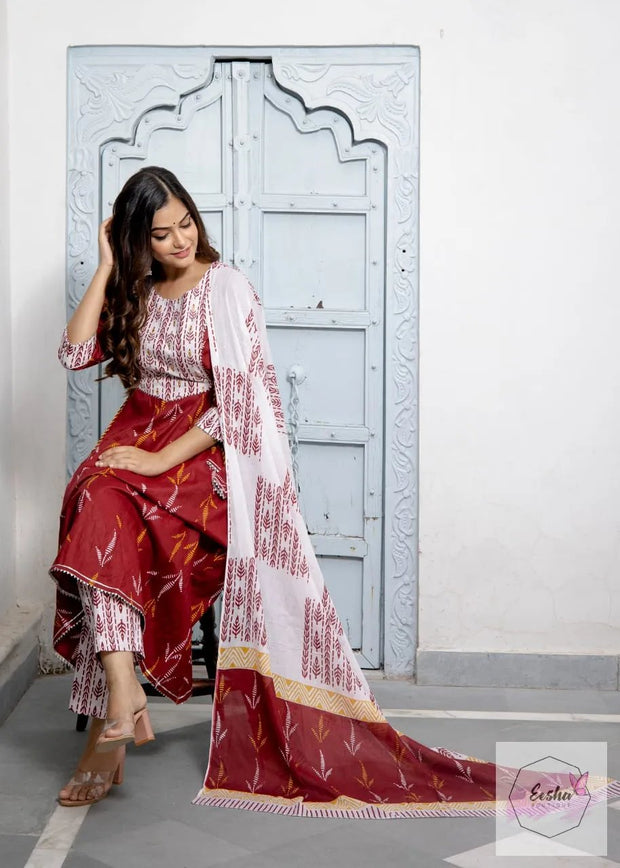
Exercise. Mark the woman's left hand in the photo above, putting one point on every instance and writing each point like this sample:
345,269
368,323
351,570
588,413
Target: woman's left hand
134,459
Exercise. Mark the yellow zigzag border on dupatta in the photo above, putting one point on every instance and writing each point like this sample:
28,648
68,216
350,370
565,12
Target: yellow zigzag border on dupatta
296,691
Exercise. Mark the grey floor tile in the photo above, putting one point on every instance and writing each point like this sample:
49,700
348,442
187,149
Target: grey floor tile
15,850
613,835
77,859
151,816
437,837
349,846
257,831
24,813
164,844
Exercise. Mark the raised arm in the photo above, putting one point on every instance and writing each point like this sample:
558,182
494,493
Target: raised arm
79,347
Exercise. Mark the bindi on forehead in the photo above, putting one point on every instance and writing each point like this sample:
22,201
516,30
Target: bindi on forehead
171,225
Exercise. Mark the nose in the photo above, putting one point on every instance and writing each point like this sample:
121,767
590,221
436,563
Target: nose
178,240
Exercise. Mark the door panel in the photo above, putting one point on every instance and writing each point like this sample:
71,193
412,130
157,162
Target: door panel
285,195
332,509
326,253
344,577
326,399
314,169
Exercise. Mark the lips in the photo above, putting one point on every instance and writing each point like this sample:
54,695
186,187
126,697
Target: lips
183,253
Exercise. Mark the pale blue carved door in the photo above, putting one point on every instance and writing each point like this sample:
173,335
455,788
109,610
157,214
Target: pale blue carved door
300,205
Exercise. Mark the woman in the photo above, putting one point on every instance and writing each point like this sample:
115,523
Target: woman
155,525
143,524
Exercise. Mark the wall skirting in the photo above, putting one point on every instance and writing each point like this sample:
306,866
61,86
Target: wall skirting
509,669
19,655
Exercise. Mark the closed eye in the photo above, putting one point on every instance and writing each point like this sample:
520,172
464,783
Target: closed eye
185,225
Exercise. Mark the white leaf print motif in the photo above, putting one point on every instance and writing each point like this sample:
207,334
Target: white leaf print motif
253,700
150,512
219,734
175,654
252,786
352,745
174,579
169,504
465,774
105,557
403,785
323,773
288,732
84,495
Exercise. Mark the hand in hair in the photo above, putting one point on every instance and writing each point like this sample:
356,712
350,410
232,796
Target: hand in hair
106,256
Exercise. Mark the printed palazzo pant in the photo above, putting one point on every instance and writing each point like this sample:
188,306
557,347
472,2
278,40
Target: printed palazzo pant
140,559
109,624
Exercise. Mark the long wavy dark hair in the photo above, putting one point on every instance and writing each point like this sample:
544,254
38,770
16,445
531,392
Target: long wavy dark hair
135,271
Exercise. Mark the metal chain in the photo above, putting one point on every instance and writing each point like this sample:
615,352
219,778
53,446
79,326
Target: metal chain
293,425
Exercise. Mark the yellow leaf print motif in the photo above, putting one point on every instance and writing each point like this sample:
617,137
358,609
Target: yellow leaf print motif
222,691
149,608
399,751
321,733
119,522
365,781
259,741
190,548
290,789
221,778
179,479
197,610
437,782
147,434
205,507
181,539
199,411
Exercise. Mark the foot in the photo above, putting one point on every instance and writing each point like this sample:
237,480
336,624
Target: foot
95,773
126,697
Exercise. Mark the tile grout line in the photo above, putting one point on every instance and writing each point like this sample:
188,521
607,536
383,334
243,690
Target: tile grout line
551,716
441,713
57,838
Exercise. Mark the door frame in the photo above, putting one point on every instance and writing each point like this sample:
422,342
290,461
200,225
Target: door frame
376,89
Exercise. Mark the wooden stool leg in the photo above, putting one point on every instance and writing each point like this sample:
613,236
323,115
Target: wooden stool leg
210,642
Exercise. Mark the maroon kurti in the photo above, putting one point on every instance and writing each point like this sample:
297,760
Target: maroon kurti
157,542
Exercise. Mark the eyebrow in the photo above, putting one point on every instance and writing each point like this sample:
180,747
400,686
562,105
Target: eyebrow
161,228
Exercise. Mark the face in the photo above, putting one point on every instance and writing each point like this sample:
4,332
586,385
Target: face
174,235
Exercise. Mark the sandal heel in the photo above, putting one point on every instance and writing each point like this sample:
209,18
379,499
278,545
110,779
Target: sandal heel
144,730
120,771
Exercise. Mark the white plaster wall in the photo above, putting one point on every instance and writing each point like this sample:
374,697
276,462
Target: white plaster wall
519,427
7,489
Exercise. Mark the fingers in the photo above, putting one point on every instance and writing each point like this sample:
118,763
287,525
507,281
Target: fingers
122,457
130,458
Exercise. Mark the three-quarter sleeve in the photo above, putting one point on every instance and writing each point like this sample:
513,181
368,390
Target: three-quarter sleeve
209,422
75,357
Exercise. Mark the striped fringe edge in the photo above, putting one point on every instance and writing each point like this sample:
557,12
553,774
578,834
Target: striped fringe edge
367,813
370,812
